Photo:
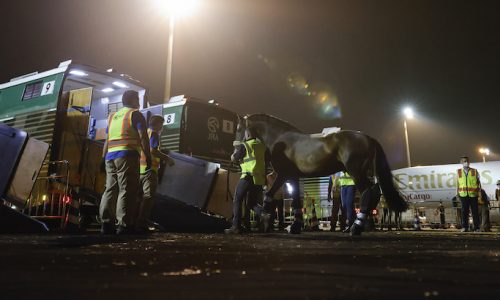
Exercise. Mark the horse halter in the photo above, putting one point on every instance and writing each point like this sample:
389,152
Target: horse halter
236,142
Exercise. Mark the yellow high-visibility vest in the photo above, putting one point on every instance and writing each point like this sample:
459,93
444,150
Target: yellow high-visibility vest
468,184
155,161
254,161
121,134
346,179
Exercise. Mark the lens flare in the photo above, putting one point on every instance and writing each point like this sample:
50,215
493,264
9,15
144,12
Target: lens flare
298,84
322,96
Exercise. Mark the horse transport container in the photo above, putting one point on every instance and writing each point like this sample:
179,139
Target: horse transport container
67,108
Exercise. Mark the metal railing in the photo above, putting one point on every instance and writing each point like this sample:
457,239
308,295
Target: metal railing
50,195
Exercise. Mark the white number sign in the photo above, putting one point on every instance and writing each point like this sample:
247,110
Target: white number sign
169,119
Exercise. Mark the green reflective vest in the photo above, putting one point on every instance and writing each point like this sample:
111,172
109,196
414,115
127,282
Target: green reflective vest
155,161
121,134
468,184
254,161
345,179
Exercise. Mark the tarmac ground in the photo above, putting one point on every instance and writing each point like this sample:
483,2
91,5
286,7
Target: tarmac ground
438,264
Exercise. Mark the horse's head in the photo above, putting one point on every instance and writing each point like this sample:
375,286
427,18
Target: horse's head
240,130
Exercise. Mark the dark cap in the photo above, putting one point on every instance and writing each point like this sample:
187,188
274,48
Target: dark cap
156,118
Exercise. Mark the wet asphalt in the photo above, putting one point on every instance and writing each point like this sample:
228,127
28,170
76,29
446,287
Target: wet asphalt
436,264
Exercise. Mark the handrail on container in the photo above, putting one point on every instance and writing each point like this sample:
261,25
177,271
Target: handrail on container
61,209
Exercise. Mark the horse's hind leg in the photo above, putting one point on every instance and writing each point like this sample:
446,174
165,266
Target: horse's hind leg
369,194
298,221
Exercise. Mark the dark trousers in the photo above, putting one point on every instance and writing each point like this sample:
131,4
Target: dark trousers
336,208
246,187
347,196
469,204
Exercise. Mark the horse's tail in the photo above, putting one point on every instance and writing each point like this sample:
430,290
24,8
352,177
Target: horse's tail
384,175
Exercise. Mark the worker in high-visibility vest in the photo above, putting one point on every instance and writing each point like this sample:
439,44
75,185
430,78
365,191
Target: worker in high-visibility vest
468,191
126,138
347,193
252,157
149,177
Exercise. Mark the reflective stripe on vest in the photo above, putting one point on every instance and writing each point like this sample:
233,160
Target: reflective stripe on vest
155,161
346,179
254,161
468,185
121,134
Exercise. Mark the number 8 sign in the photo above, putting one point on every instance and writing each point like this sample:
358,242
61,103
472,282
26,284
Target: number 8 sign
169,119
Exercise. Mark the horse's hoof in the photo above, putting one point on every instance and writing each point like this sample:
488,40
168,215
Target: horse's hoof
296,227
356,230
265,220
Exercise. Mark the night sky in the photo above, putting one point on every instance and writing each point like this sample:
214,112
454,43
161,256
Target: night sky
364,59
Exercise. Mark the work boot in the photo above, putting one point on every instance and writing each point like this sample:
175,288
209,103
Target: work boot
107,228
232,230
463,230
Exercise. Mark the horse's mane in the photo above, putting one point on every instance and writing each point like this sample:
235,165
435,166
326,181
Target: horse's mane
272,120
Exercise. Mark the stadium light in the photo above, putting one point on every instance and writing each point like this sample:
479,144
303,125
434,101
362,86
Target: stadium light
408,113
174,9
484,152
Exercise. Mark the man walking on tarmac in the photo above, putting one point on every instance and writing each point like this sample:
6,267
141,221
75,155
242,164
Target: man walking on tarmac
347,193
468,191
149,177
121,152
252,157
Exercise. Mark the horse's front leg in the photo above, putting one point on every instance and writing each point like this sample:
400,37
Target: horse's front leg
268,197
298,222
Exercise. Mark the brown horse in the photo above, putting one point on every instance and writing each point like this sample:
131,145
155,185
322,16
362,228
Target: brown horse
297,155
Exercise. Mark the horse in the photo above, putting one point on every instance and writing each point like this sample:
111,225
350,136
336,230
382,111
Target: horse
295,155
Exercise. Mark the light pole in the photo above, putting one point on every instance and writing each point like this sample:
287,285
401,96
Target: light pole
175,9
484,152
170,48
408,112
